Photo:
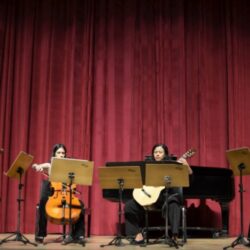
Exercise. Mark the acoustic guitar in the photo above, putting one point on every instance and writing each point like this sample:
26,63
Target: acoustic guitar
148,195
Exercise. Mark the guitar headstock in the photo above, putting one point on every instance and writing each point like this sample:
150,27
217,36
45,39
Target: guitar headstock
189,153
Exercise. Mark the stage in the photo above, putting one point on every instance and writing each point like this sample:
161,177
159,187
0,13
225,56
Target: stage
95,242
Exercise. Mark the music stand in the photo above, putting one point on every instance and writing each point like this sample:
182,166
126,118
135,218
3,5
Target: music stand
168,175
248,236
126,177
239,160
17,169
71,171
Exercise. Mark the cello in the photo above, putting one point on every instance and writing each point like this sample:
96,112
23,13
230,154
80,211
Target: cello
58,205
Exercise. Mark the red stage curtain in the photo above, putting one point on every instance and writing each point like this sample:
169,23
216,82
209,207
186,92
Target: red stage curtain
110,79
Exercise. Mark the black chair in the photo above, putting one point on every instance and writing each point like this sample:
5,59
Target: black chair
87,215
158,212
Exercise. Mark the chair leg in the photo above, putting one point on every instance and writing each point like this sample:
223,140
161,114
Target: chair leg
64,231
37,225
145,231
87,213
184,225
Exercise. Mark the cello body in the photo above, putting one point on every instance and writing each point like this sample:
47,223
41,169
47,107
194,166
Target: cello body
58,205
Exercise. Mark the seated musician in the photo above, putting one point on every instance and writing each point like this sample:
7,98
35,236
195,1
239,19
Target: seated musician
135,213
60,151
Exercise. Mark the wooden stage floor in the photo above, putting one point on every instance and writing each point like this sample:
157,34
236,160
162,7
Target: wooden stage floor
95,242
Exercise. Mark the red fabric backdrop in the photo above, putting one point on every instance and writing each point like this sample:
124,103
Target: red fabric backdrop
110,79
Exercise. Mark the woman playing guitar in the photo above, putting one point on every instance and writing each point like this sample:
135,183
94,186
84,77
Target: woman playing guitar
134,212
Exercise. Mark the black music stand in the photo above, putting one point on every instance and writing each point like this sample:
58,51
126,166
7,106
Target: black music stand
239,160
167,175
71,171
17,169
119,178
248,235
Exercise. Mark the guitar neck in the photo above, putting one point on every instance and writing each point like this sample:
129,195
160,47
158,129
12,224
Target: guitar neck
188,154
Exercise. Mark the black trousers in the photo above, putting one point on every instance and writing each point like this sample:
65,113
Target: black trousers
135,213
41,219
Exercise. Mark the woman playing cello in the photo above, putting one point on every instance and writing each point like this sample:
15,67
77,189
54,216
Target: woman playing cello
60,151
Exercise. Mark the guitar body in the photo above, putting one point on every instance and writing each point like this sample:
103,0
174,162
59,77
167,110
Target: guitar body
147,195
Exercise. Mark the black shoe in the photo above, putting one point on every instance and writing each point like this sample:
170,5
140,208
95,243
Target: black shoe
39,239
174,242
68,240
80,240
137,242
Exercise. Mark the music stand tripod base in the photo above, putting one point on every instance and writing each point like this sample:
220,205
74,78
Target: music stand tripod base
240,240
17,169
120,178
18,237
71,171
168,175
239,160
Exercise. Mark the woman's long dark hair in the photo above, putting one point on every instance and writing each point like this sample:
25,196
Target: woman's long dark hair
165,148
56,147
